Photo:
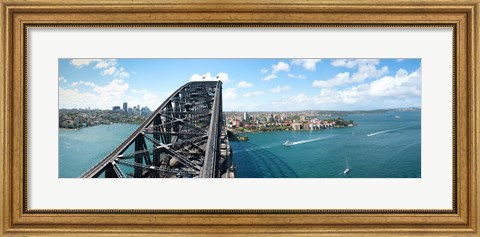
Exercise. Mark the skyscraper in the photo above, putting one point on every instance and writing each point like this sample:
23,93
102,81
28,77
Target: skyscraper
125,107
246,117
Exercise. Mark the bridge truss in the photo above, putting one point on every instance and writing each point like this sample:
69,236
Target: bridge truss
184,137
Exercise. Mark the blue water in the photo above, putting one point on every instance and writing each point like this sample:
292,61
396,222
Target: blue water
391,151
81,149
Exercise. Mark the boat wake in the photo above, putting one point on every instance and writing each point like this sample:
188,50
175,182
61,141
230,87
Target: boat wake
307,141
385,131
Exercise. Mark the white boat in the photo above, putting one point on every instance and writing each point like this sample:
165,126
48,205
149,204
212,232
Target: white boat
397,117
346,169
288,143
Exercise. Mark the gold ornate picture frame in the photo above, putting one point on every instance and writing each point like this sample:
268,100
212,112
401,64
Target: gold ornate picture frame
19,16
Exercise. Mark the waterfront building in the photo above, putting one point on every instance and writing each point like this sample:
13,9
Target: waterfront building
296,126
145,111
305,126
246,117
116,108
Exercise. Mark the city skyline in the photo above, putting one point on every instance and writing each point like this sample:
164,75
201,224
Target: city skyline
248,84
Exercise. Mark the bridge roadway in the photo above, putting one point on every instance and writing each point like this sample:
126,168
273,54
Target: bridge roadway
181,143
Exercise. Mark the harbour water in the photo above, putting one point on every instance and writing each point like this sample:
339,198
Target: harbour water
81,149
383,145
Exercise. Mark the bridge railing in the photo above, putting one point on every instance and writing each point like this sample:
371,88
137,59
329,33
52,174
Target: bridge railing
213,145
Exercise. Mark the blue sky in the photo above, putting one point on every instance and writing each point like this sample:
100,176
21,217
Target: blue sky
248,84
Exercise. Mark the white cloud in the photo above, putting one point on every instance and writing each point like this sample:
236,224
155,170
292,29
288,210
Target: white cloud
354,95
401,86
229,94
238,106
105,63
339,79
147,98
223,77
352,63
366,71
402,90
108,71
87,83
72,98
263,70
309,64
348,63
276,68
102,97
114,89
280,66
299,76
254,93
197,77
244,84
150,97
366,68
279,89
100,63
62,79
121,73
107,66
300,98
269,77
208,77
80,62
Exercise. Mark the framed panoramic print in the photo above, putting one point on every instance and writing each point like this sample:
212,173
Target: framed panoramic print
356,118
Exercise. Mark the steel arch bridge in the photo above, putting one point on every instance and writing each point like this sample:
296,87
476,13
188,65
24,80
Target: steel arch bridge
185,137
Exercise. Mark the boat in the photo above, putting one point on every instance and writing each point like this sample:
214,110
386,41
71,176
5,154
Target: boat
346,169
397,117
288,143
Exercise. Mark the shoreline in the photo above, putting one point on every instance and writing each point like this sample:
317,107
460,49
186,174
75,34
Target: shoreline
77,129
69,129
290,130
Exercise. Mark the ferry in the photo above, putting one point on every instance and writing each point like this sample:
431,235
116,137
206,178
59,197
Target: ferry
347,169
